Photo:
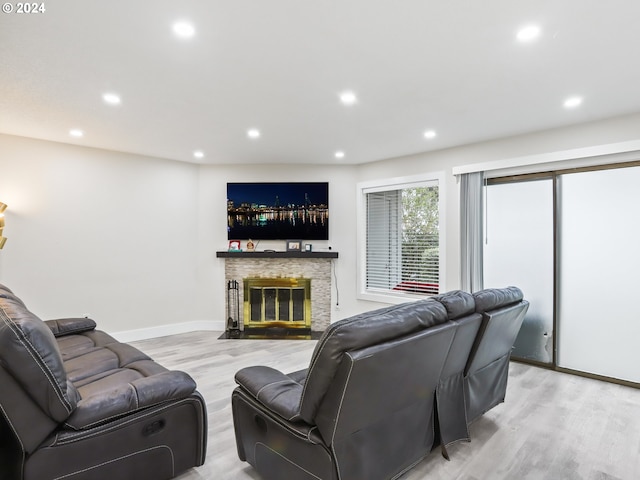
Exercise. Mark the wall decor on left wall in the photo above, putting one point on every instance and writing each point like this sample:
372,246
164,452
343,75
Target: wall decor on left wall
3,240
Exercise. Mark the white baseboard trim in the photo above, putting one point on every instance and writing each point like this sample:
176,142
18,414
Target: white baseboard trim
171,329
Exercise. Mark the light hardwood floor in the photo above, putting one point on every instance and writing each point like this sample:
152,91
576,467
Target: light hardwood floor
551,426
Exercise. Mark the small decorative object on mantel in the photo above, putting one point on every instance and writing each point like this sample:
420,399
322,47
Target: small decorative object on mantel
308,247
251,247
294,245
234,246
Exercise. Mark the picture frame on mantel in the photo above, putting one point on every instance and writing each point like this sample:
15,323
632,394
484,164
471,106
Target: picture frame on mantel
294,245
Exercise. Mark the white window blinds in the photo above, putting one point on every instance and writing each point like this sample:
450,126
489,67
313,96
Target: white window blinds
402,239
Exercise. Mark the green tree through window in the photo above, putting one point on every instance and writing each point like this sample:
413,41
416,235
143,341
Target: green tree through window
420,240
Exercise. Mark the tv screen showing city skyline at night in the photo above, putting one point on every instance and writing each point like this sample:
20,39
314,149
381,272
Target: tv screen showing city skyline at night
278,211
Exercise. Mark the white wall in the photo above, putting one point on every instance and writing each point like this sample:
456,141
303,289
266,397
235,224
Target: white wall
98,232
131,240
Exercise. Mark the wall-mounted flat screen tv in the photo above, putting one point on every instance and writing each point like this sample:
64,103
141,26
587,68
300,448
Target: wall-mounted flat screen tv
278,211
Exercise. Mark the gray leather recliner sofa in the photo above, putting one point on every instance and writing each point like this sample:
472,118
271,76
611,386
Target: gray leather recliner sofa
382,389
76,404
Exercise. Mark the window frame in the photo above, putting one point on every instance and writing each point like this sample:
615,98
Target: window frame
388,184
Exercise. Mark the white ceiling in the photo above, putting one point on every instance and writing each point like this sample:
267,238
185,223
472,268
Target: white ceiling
453,66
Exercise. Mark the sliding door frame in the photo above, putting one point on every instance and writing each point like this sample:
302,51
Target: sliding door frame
553,175
532,177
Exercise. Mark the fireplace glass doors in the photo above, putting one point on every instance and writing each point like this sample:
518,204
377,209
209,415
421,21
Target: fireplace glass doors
277,302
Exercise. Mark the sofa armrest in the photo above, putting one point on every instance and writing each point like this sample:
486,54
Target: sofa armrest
276,391
130,397
299,376
69,326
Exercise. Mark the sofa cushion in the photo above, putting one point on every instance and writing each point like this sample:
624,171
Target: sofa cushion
361,331
125,392
457,303
492,298
8,294
115,379
29,352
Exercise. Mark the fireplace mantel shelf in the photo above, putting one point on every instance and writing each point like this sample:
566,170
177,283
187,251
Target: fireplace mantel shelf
264,254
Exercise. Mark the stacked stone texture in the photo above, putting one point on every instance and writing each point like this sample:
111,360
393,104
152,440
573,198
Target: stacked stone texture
316,269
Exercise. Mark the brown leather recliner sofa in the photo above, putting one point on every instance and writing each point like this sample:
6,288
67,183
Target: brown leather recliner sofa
76,404
382,389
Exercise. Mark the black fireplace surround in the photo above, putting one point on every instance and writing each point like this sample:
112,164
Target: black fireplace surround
382,389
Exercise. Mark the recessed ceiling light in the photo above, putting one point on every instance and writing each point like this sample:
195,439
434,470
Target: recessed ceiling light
111,98
430,134
75,132
528,33
572,102
198,154
253,133
348,98
339,154
184,29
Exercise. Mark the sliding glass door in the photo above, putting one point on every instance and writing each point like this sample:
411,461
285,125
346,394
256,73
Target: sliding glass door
570,241
599,255
518,251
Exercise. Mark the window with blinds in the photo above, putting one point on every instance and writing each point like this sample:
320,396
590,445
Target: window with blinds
402,239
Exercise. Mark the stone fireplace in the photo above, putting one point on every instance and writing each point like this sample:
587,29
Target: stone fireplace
282,289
